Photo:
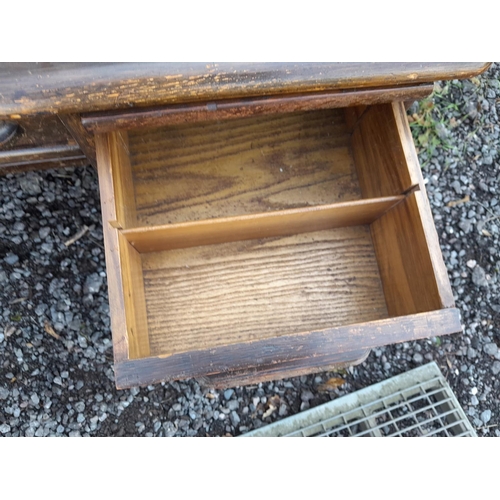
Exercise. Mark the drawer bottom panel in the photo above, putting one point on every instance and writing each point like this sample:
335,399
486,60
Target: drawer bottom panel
214,295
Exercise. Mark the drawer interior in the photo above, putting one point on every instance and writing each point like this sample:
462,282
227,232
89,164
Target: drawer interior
215,295
221,169
237,232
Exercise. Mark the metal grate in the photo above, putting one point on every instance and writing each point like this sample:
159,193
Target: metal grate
417,403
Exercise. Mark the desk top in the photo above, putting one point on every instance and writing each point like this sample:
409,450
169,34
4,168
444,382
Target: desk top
34,88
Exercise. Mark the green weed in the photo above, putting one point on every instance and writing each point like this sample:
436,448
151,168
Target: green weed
428,127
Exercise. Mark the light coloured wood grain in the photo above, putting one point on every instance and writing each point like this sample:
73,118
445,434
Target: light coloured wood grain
112,249
438,266
122,179
237,292
247,227
379,155
405,138
252,165
134,300
400,238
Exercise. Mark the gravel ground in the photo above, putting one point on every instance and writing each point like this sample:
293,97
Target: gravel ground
56,374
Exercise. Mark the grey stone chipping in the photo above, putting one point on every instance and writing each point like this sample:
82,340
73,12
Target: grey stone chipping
65,386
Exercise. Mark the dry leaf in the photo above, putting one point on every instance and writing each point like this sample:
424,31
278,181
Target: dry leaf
274,401
269,411
331,384
50,330
273,404
454,203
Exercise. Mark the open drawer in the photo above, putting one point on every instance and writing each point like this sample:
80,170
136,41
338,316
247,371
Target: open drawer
259,247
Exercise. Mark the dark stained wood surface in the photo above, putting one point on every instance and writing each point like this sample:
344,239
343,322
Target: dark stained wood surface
83,137
36,155
7,131
31,88
326,362
38,131
40,142
19,160
239,108
304,349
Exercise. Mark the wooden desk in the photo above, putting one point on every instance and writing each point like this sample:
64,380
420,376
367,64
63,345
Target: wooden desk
260,220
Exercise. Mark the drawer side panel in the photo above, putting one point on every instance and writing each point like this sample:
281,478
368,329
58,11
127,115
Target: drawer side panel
406,261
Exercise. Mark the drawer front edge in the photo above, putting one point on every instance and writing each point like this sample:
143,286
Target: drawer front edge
315,348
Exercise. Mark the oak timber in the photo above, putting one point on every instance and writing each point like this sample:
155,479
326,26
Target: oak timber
406,261
238,108
33,88
123,183
323,362
242,232
39,143
405,239
352,115
379,155
215,295
251,165
84,138
112,248
306,349
247,227
412,164
134,300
